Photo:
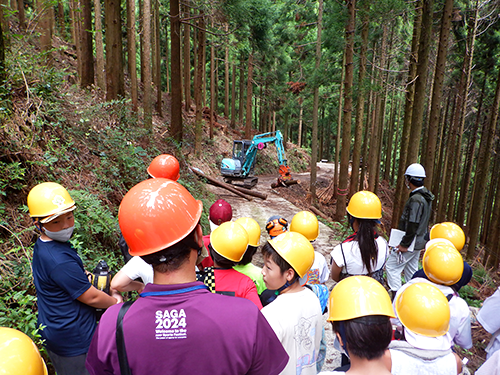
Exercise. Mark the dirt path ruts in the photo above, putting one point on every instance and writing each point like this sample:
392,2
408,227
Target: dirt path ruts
261,210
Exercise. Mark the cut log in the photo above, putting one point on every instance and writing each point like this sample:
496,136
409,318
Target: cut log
284,182
319,213
250,192
223,185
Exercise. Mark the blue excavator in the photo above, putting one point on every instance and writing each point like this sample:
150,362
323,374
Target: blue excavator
240,168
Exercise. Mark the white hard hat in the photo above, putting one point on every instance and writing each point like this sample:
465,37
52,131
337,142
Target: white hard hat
415,170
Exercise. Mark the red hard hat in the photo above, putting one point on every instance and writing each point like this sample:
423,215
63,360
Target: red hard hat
164,166
157,213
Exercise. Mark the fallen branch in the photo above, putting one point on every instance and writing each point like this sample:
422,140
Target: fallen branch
223,185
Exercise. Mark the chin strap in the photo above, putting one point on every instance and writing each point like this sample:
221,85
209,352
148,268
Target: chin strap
287,284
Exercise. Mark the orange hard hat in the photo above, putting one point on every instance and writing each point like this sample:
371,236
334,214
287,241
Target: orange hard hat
157,213
164,166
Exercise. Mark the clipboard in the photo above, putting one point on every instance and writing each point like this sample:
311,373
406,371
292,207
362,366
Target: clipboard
396,237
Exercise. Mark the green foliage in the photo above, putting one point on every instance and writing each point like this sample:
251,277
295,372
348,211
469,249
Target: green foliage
482,276
469,294
17,298
11,176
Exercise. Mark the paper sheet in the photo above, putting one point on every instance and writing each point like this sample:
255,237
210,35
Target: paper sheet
396,237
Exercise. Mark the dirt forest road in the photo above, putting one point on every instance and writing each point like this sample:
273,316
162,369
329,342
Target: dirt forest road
261,210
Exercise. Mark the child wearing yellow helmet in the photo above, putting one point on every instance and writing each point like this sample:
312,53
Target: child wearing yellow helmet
364,252
295,314
360,310
65,297
443,267
424,347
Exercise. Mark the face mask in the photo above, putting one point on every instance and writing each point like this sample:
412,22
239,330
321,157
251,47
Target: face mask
61,236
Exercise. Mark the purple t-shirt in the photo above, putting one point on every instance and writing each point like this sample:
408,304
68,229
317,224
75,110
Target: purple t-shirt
188,332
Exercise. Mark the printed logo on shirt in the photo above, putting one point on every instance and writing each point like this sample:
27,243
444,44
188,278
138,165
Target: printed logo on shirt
304,337
170,324
313,276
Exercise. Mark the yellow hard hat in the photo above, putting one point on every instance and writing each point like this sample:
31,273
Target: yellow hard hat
451,232
358,296
230,240
438,240
252,228
365,205
49,200
443,264
422,308
305,223
296,250
19,354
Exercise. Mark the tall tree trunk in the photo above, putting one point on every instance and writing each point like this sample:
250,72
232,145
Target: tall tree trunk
157,61
141,42
114,55
146,27
99,46
200,69
346,123
87,54
390,136
132,58
226,76
60,18
233,97
409,99
314,135
187,59
45,29
286,131
3,70
440,167
167,60
485,230
339,127
175,62
456,164
482,173
421,82
493,231
360,108
467,172
248,123
20,14
301,112
213,100
242,93
437,91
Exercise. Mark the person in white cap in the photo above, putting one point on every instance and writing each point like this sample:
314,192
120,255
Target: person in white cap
414,222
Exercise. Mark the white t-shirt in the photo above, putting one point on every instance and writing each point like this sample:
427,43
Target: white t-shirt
489,318
405,364
331,373
296,319
460,327
136,267
353,258
319,272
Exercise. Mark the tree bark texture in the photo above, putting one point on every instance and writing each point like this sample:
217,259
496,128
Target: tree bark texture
175,63
482,172
437,91
314,135
114,53
146,42
87,52
347,109
248,122
132,58
200,69
187,59
409,96
99,46
360,107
